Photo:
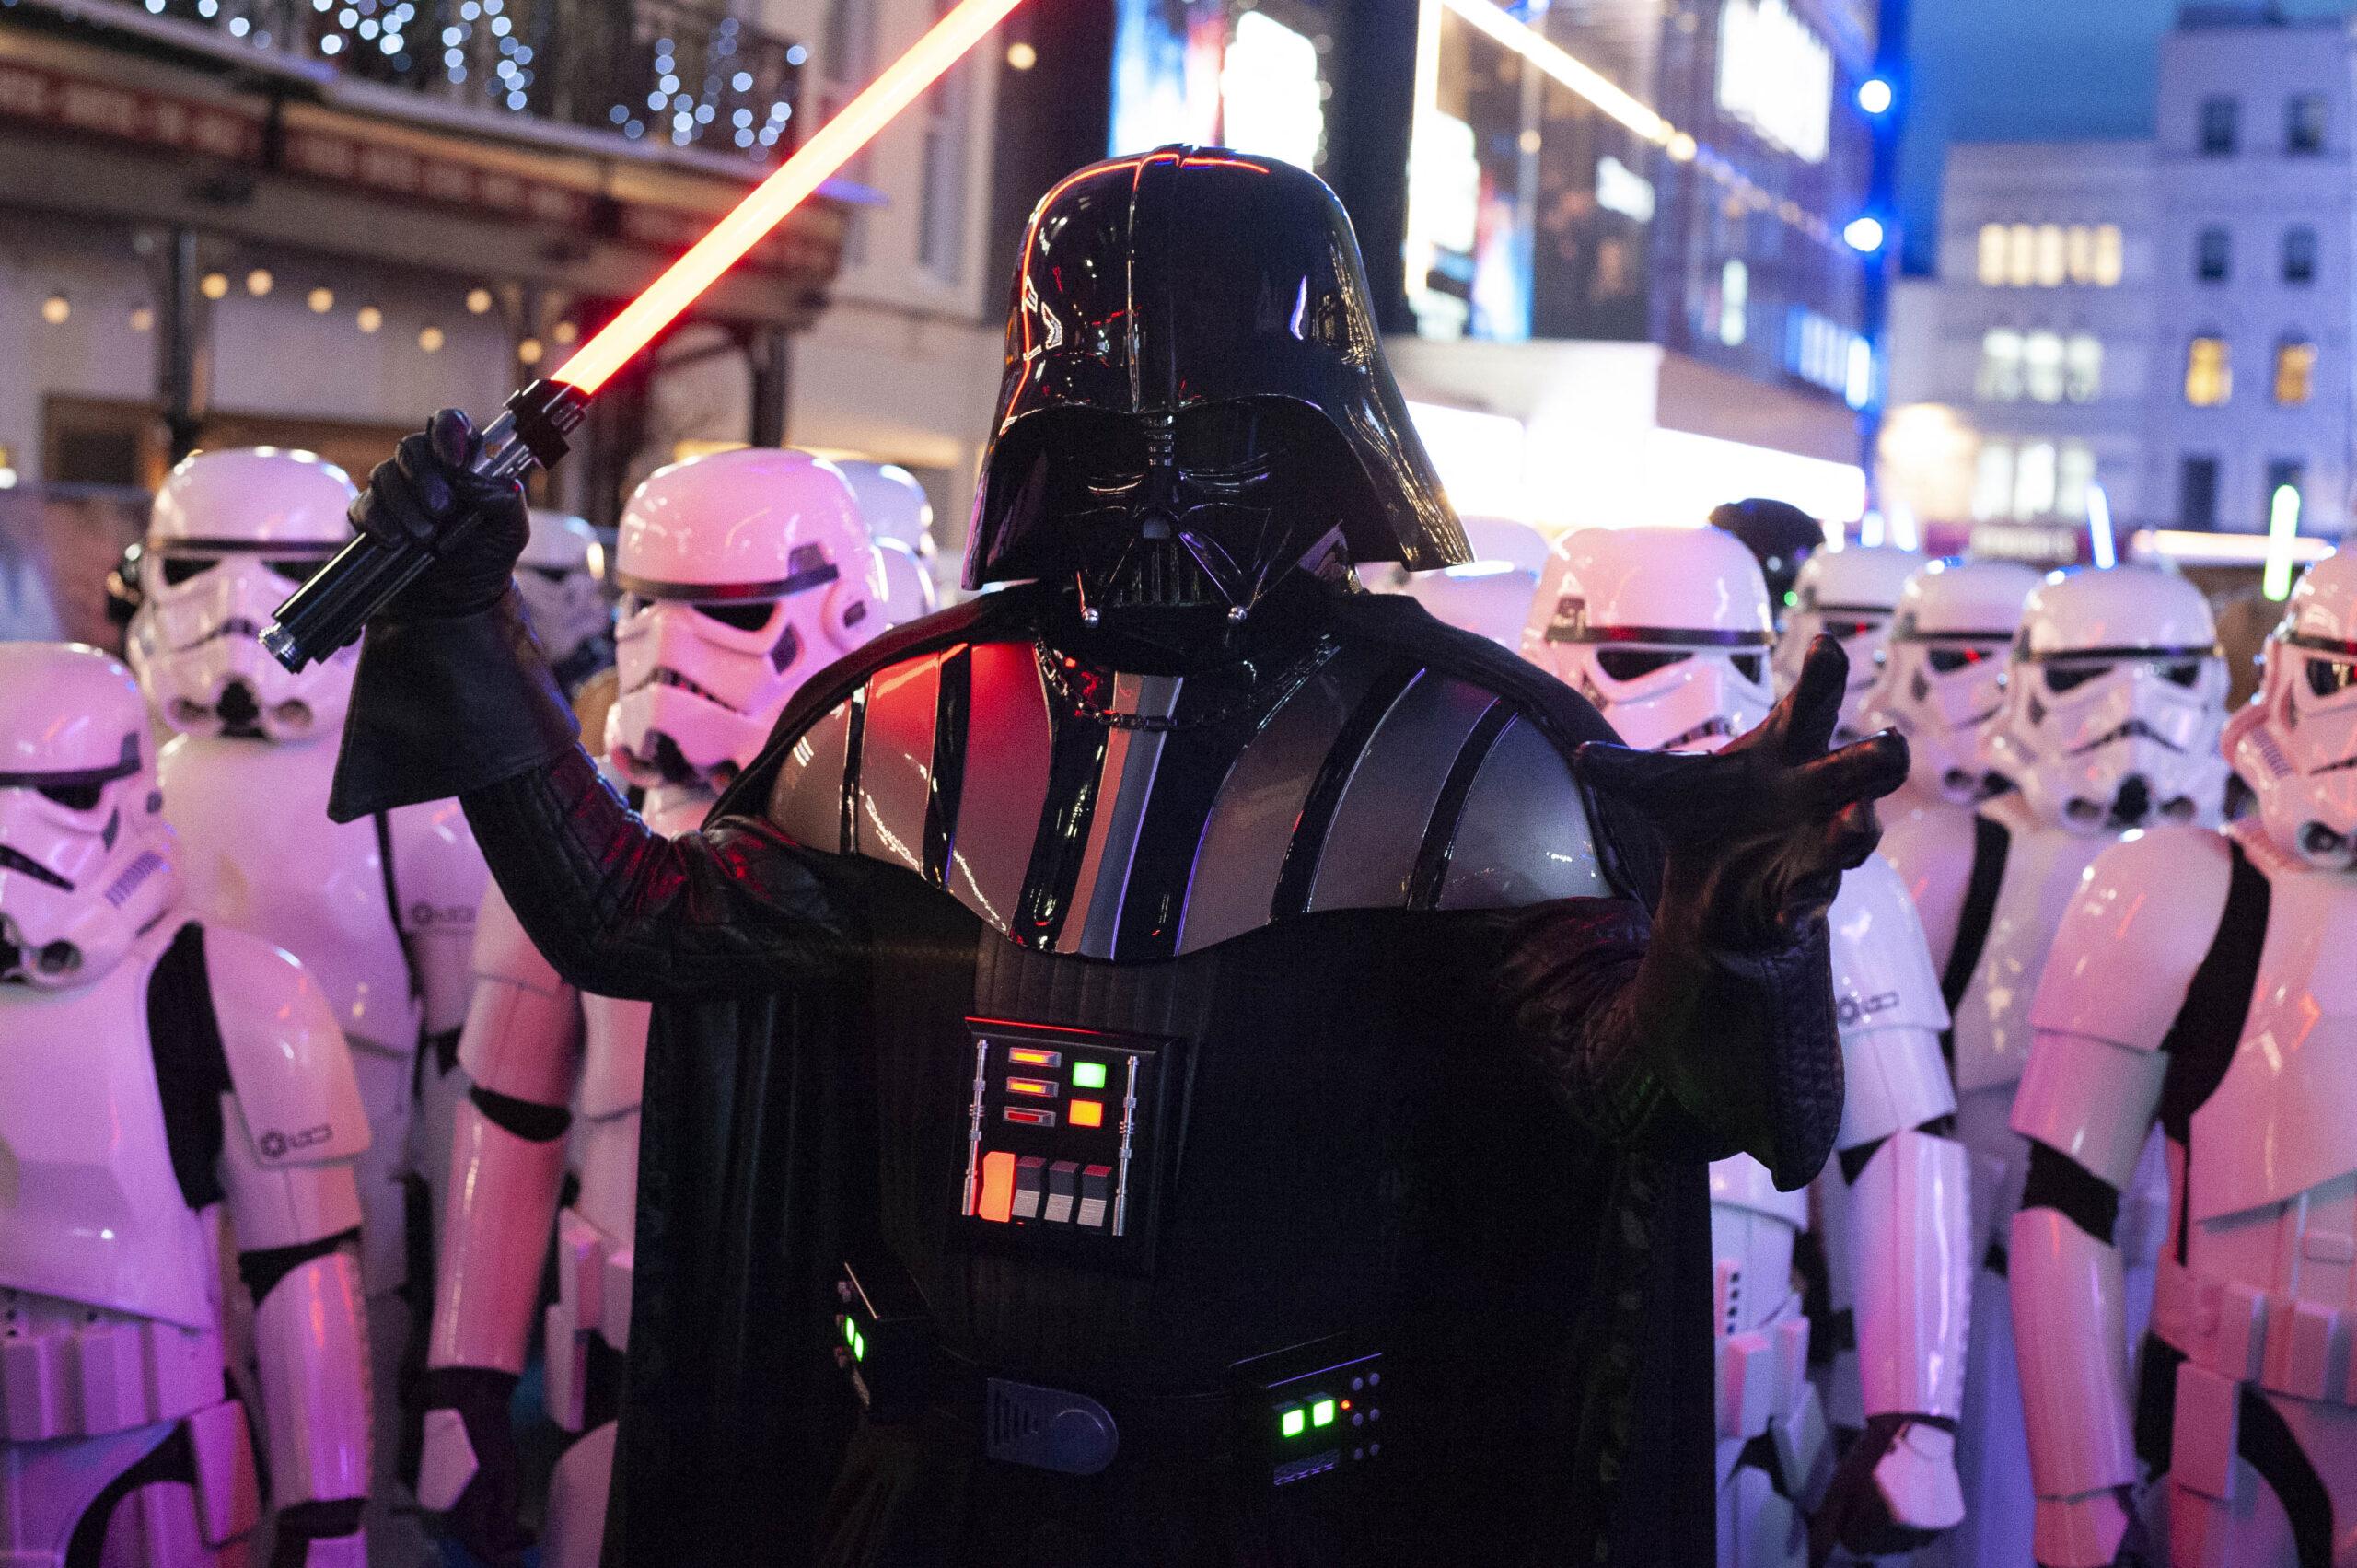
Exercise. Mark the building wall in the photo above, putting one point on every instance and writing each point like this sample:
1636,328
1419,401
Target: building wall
2253,193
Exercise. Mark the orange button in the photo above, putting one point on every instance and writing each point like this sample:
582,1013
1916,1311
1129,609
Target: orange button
1087,1113
997,1201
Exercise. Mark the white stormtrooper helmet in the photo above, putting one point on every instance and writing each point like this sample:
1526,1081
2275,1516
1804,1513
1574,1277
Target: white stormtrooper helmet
2295,742
560,577
232,534
2113,702
1849,594
1666,631
900,523
86,861
742,572
1489,596
1943,673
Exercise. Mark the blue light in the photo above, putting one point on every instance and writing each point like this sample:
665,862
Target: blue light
1864,235
1874,95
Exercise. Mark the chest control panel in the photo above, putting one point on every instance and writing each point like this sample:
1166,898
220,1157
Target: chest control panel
1065,1140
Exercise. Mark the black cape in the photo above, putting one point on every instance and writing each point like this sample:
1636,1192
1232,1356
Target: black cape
736,1420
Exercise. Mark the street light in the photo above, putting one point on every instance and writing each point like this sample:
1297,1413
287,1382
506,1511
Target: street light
1864,235
1875,96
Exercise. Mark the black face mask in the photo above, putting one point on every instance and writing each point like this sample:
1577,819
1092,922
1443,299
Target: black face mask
1174,530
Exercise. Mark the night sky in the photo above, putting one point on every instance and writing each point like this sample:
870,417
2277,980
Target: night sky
2022,70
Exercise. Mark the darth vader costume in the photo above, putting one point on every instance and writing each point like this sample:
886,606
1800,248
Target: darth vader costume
1170,1062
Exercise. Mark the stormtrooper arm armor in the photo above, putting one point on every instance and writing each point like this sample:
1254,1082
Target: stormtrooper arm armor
441,878
293,1125
2122,961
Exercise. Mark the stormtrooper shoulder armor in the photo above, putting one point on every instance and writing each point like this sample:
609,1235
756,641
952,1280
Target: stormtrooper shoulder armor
1883,977
438,869
287,1060
2125,954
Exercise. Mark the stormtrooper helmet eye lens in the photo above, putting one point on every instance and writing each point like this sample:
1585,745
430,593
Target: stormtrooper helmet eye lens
549,574
2062,678
750,617
81,797
1844,630
1633,664
1947,661
2184,674
296,571
1746,666
179,569
2331,677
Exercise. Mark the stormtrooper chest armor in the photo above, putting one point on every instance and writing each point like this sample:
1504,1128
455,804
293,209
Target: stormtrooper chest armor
2282,1121
90,1208
2042,870
259,852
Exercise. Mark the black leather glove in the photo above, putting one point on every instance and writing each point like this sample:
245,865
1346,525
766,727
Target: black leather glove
484,1518
426,496
1755,836
1854,1514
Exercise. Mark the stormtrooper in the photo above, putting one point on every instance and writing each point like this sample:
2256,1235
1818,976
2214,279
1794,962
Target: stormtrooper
743,573
2197,984
1943,679
560,582
1850,595
1666,631
2112,705
981,1046
381,909
1490,595
900,525
160,1072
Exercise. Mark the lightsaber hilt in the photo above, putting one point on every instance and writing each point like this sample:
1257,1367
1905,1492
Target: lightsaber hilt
329,612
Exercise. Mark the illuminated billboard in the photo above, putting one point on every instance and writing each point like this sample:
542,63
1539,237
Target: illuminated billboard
1776,76
1212,73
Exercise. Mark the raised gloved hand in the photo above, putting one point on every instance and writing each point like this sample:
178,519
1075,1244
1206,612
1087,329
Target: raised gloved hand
467,1472
1756,836
1895,1489
424,496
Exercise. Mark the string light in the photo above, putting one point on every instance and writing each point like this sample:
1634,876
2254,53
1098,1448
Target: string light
258,281
142,318
429,340
1021,56
478,300
529,350
320,300
370,318
55,308
214,286
565,332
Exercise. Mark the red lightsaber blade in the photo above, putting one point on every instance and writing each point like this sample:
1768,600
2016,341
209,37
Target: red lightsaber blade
329,612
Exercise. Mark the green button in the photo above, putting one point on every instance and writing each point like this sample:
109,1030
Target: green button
1322,1413
1294,1420
1088,1074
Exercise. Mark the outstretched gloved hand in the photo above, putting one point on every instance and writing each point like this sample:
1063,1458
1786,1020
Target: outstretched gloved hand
1756,836
425,496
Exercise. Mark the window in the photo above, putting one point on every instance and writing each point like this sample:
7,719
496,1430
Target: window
941,200
2021,249
2220,119
2051,250
2075,475
2034,477
2209,376
2108,256
1993,481
2042,367
843,59
2304,125
2083,368
2213,253
2283,474
2295,371
2300,254
1991,267
2196,492
2000,367
1735,303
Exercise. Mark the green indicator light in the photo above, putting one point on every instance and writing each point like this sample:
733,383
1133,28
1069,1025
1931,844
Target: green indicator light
1322,1413
1088,1074
858,1345
851,1332
1294,1420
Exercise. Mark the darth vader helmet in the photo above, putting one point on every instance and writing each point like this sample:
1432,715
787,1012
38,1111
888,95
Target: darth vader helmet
1196,403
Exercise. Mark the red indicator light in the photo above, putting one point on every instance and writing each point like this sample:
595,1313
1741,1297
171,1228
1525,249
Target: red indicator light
1024,1116
1088,1113
1044,1088
997,1200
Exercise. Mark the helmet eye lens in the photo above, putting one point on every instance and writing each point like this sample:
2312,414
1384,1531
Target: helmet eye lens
2062,678
179,569
296,571
1633,664
1845,630
549,574
1947,661
750,617
2331,677
2181,674
1748,665
81,797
